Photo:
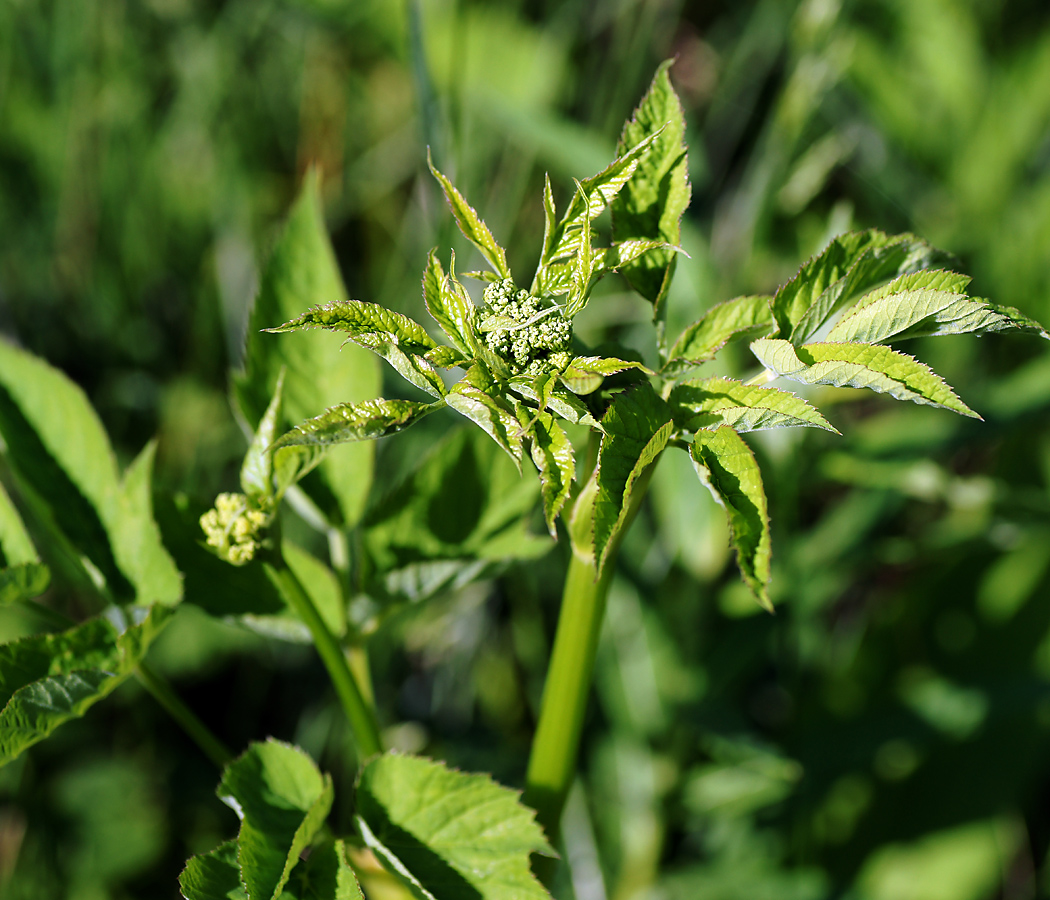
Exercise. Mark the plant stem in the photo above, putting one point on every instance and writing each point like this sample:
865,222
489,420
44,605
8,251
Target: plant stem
555,747
358,712
162,692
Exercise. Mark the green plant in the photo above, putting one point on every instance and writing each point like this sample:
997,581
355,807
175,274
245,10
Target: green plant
439,832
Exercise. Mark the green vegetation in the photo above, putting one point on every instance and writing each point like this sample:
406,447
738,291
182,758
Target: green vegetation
341,629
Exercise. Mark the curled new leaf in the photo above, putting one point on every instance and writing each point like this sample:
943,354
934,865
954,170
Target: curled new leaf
860,366
450,306
727,468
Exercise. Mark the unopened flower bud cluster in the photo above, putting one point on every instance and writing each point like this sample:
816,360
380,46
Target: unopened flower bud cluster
536,348
234,528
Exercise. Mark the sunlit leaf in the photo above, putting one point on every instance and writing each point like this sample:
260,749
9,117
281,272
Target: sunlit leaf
479,399
450,306
46,680
471,224
742,317
723,401
652,203
446,834
357,422
860,366
553,455
727,468
585,374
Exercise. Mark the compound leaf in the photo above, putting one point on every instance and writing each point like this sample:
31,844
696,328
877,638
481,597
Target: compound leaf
471,224
727,468
860,366
738,318
637,428
743,407
302,272
446,834
282,801
652,203
46,680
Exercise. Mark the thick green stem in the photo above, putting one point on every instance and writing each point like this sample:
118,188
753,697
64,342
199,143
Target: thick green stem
358,712
552,764
555,747
211,746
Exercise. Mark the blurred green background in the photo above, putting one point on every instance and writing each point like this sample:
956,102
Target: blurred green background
886,736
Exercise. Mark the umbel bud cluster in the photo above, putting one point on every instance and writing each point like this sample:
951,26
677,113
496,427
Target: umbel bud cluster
532,337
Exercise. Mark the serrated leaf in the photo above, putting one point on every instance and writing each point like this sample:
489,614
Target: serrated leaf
357,422
446,358
653,201
727,468
850,265
560,401
446,834
860,366
46,680
300,273
362,320
585,262
450,306
555,460
61,454
743,407
637,428
23,581
585,374
591,201
480,399
471,224
213,876
742,317
282,801
925,304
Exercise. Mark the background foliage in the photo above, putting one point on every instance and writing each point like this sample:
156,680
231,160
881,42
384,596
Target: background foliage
885,735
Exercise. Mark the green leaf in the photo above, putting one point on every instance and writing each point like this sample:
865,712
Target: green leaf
591,199
323,875
637,428
585,262
555,460
723,401
480,399
257,470
446,358
727,468
886,258
213,876
471,224
742,317
302,272
859,366
585,374
398,339
62,456
653,201
46,680
560,401
357,422
925,304
462,512
15,543
450,306
136,539
448,835
282,801
23,581
850,265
